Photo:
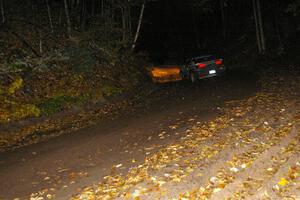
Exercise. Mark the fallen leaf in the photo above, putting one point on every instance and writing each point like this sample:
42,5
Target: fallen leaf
283,182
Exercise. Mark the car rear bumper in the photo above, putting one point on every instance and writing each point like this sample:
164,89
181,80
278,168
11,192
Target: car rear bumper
210,72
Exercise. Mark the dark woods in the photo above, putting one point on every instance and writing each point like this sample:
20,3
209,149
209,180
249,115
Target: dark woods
42,25
57,53
164,28
179,28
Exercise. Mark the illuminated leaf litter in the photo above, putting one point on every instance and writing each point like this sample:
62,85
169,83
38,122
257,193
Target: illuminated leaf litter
214,156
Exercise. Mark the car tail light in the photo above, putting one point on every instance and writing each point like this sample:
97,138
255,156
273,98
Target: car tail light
201,65
219,62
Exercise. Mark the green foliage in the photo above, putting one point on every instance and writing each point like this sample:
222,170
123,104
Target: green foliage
26,110
46,63
17,84
13,67
58,103
109,90
11,110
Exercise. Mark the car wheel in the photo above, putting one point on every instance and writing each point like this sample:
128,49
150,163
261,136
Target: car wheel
183,76
193,78
223,76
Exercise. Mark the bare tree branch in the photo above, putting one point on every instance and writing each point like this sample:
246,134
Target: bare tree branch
139,26
68,18
49,15
2,11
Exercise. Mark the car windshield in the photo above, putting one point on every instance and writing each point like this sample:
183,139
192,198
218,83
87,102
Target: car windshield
204,59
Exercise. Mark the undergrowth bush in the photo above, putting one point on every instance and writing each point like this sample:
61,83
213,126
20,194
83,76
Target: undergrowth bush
58,103
88,68
109,90
80,58
12,110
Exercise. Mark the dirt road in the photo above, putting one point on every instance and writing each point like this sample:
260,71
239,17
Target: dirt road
176,112
250,151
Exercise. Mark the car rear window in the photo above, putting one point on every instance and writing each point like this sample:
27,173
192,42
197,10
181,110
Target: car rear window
204,59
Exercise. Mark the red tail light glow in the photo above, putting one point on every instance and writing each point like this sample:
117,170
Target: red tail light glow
219,62
201,65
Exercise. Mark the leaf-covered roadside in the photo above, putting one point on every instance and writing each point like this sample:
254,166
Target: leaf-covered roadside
251,151
46,96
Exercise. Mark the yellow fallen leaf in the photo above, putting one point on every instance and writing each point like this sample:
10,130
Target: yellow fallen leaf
283,182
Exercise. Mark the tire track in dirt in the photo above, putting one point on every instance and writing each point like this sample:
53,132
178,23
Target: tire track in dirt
215,185
226,171
225,144
206,168
201,146
274,186
271,190
256,173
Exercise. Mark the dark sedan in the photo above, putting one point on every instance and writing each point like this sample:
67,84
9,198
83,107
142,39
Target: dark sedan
201,67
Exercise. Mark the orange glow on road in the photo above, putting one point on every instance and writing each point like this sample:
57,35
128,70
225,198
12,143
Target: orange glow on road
165,73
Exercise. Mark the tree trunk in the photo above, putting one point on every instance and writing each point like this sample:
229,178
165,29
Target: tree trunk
112,14
60,14
124,27
25,43
39,20
139,26
40,43
49,15
68,18
34,11
93,9
126,24
129,21
262,36
83,15
222,2
276,23
102,9
2,12
256,26
195,30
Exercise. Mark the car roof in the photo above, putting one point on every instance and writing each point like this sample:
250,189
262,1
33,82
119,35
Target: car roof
199,57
